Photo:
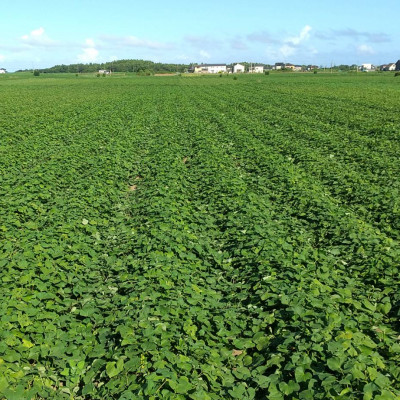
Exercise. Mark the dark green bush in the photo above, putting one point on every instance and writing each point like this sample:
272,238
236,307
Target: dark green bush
144,72
36,72
397,73
266,72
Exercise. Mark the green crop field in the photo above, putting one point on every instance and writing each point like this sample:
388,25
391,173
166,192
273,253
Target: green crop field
200,238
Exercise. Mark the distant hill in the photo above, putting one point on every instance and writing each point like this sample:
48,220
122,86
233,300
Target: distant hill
142,67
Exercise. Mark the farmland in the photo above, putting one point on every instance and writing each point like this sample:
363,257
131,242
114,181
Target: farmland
200,238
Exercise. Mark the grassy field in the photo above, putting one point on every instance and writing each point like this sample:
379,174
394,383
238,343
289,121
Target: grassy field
203,238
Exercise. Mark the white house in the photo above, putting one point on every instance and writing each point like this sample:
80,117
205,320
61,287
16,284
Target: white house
2,71
278,66
367,67
258,69
388,67
210,68
104,71
238,68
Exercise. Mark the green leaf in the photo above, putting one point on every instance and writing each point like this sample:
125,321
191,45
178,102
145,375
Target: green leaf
190,328
263,381
289,387
334,363
238,391
27,343
369,305
32,225
386,307
183,385
369,390
306,394
386,395
114,368
200,395
382,381
88,389
3,384
247,360
300,374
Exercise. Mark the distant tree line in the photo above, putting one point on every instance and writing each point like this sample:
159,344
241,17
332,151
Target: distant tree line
144,67
141,67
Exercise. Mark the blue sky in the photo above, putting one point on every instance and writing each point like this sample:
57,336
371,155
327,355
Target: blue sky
42,34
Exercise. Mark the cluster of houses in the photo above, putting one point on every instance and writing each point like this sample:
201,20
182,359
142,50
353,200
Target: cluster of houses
2,71
223,68
390,66
294,67
240,68
383,67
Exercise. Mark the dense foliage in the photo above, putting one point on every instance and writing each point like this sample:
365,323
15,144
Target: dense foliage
137,66
200,238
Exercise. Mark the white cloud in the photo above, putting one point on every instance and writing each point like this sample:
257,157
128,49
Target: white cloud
304,35
38,37
90,42
38,32
365,49
204,54
90,53
292,44
2,58
286,50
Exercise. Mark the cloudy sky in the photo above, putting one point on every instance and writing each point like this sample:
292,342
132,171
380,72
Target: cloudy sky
42,34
